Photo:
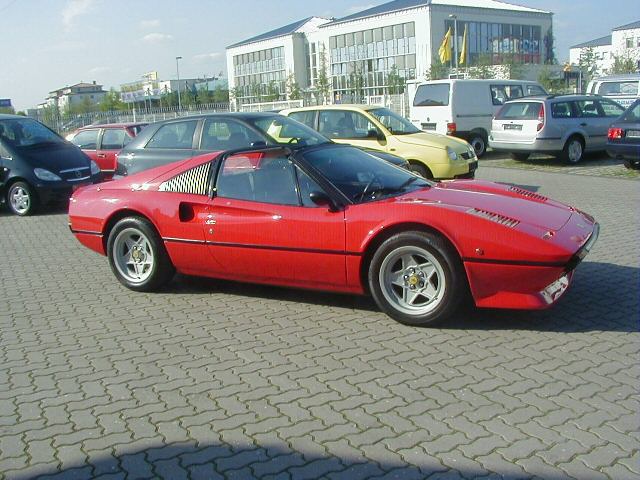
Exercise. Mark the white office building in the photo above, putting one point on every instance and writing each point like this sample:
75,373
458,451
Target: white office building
372,51
623,42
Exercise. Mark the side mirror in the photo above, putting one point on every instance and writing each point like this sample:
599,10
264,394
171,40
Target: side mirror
323,200
259,144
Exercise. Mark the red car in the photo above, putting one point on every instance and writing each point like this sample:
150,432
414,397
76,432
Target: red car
332,217
103,142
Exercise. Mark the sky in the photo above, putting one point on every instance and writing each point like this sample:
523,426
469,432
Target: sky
48,44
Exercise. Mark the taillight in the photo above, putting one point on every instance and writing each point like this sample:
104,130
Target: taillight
615,133
451,128
540,118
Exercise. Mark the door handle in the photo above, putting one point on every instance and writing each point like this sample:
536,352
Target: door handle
101,155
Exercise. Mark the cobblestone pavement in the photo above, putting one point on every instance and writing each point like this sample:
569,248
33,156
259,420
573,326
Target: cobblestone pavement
214,380
596,164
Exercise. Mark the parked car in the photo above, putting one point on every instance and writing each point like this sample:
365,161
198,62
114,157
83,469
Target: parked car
623,140
103,142
562,125
464,107
331,217
624,89
378,128
171,140
37,166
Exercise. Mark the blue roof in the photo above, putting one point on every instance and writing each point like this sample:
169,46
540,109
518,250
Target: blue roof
278,32
598,42
628,26
388,7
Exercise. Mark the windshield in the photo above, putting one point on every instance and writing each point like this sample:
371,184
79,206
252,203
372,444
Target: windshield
25,132
362,177
393,122
632,114
284,130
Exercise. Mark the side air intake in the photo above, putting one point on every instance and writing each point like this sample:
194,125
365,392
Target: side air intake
528,194
494,217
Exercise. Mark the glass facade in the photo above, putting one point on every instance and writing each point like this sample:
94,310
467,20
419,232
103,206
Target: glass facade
522,43
374,61
259,74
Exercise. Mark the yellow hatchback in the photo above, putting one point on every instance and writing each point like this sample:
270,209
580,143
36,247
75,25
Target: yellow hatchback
378,128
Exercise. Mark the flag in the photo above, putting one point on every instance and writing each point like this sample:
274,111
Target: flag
444,52
463,52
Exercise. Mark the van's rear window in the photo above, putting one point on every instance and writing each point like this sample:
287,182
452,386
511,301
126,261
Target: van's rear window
435,95
519,111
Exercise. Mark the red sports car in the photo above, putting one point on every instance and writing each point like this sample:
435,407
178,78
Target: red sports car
332,217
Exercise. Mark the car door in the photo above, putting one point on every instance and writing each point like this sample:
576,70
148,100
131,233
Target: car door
593,123
263,227
110,143
352,128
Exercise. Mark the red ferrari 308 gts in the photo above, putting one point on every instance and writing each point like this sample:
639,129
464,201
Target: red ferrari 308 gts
332,217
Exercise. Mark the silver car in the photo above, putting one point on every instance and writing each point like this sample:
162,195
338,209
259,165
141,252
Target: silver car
561,125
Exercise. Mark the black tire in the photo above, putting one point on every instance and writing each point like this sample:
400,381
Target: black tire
479,143
570,156
446,283
21,199
421,170
157,272
521,157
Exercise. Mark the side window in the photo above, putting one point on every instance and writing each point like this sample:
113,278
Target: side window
344,124
307,117
225,134
258,177
587,108
177,135
561,110
611,109
307,185
534,90
113,139
503,93
194,181
87,139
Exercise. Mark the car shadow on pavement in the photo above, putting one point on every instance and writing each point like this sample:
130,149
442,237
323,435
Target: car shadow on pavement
297,458
602,297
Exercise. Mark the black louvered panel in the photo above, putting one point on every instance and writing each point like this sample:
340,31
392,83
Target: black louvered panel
494,217
194,181
528,194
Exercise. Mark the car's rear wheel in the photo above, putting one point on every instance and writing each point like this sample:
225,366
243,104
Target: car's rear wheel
479,143
573,150
21,199
421,170
137,255
521,157
416,278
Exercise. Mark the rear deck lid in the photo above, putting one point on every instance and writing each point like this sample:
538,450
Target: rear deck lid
518,122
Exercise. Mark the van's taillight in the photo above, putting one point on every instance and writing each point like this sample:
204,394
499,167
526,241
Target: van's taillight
451,128
615,133
540,118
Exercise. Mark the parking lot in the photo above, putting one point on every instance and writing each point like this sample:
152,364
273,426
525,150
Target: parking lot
209,379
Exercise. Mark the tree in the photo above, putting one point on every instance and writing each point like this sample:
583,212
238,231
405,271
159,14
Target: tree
395,83
551,83
437,70
323,83
357,79
623,64
482,67
293,89
588,64
111,102
270,92
513,68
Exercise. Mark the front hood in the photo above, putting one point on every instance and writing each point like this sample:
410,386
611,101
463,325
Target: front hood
434,140
490,200
54,157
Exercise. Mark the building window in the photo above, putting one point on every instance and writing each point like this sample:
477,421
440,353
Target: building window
629,42
259,75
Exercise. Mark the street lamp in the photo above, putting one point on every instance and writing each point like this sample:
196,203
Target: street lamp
455,40
178,72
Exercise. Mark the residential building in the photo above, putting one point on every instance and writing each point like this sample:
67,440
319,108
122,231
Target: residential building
82,93
623,42
376,51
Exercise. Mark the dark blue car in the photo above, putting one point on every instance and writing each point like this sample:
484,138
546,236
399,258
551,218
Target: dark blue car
623,139
37,166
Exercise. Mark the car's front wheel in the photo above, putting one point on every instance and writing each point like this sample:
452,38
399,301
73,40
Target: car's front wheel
21,199
137,255
416,278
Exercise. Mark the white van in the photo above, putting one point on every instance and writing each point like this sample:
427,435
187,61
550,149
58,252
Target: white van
623,89
464,108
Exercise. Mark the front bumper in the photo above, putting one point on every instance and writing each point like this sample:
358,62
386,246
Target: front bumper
60,192
455,169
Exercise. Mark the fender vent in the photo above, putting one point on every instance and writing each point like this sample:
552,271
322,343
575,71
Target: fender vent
494,217
528,194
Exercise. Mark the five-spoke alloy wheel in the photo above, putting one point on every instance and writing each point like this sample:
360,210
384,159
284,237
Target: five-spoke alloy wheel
21,199
416,278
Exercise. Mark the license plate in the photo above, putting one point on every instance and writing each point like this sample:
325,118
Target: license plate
633,133
554,291
428,126
511,126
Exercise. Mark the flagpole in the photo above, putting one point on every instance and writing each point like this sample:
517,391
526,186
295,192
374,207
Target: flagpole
455,40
